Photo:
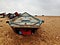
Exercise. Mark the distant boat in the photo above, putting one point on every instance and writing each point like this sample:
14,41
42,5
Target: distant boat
2,15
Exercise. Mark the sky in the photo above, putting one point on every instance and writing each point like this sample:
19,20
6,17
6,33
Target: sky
33,7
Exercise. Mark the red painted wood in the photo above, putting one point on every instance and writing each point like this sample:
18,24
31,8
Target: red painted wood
26,32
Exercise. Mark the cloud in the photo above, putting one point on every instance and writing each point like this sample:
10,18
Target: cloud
34,7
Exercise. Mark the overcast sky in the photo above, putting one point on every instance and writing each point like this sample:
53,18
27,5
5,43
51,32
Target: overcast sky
34,7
